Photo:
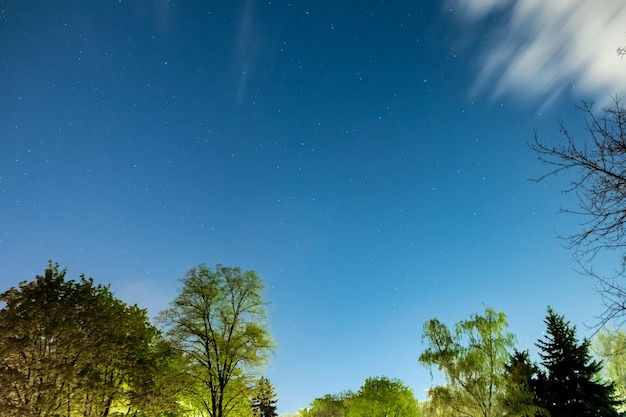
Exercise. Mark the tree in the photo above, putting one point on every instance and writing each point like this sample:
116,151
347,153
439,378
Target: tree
163,383
610,347
600,185
330,405
218,321
519,397
429,409
569,384
264,399
383,397
473,360
71,348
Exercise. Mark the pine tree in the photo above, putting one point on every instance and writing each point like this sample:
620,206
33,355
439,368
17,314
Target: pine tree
569,385
264,399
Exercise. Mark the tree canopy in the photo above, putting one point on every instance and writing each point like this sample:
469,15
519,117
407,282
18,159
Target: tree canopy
330,405
610,347
218,322
71,348
472,358
383,397
377,397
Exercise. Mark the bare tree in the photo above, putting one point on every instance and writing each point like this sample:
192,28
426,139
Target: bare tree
599,165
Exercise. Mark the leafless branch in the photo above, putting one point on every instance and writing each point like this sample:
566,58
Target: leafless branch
599,166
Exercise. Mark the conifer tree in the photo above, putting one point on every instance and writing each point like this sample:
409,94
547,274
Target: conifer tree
264,399
570,385
519,396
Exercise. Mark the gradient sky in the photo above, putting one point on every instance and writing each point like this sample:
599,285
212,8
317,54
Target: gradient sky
367,158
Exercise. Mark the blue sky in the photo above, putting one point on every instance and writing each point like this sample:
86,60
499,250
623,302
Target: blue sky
368,159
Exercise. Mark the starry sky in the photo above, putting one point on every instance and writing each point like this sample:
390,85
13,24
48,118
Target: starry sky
369,159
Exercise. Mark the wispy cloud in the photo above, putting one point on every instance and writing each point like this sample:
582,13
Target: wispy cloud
538,49
244,52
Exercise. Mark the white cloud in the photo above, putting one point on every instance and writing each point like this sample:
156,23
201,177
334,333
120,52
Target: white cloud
476,9
539,48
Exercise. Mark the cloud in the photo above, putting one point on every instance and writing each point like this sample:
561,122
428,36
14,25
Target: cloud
477,9
244,52
538,49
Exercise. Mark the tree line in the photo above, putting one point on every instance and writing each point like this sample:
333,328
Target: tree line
70,348
379,396
486,376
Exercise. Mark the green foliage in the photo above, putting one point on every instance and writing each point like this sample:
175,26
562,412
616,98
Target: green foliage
383,397
330,405
519,396
428,409
473,360
163,381
218,321
264,399
71,348
378,397
570,385
610,346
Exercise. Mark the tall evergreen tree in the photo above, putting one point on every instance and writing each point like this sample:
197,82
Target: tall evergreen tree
264,399
570,385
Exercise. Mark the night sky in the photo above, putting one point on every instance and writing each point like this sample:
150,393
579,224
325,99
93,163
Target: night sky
369,159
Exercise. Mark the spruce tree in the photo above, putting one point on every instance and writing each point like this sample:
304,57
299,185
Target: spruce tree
569,384
519,393
264,399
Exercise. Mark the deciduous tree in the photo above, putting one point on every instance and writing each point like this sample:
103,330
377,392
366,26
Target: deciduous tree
70,348
330,405
473,360
218,321
599,168
610,347
383,397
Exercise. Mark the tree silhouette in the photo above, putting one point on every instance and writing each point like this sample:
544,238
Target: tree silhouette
569,383
599,165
